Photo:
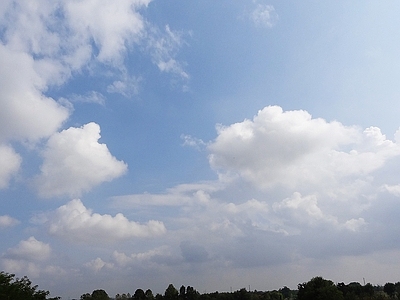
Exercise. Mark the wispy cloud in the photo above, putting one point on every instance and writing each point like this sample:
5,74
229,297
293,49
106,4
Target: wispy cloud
264,16
163,46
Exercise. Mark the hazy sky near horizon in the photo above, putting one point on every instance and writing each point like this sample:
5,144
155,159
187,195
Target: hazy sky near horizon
216,144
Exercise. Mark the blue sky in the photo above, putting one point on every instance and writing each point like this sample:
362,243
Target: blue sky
216,144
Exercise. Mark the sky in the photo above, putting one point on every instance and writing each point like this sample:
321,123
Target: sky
216,144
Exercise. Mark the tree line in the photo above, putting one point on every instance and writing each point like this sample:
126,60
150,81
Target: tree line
318,288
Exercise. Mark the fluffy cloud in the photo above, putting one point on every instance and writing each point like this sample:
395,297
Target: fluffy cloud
30,250
42,43
291,149
26,113
7,221
74,162
75,222
68,29
9,164
30,257
290,187
110,25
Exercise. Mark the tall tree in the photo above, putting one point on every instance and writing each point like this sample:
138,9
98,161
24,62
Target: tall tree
319,288
182,293
171,293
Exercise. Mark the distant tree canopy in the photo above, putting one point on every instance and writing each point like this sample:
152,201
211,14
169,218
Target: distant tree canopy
96,295
20,289
319,289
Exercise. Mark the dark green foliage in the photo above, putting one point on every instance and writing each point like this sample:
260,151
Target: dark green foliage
139,295
390,289
242,294
86,296
319,289
171,293
192,294
100,295
20,288
286,292
123,297
149,294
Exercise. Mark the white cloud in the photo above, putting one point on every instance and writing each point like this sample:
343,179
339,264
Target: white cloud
43,43
264,15
193,142
29,250
292,149
7,221
355,224
163,48
111,25
10,163
75,222
74,162
30,257
128,86
26,113
90,97
183,194
393,189
124,260
98,264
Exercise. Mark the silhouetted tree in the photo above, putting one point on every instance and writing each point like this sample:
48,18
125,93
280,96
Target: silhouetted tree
100,295
192,294
20,288
149,294
390,289
286,292
139,295
171,293
182,293
318,289
86,296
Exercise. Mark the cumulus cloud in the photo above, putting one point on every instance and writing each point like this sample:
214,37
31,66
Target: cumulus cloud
293,185
111,25
291,148
75,222
26,113
44,43
74,162
29,250
7,221
98,264
30,257
10,163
